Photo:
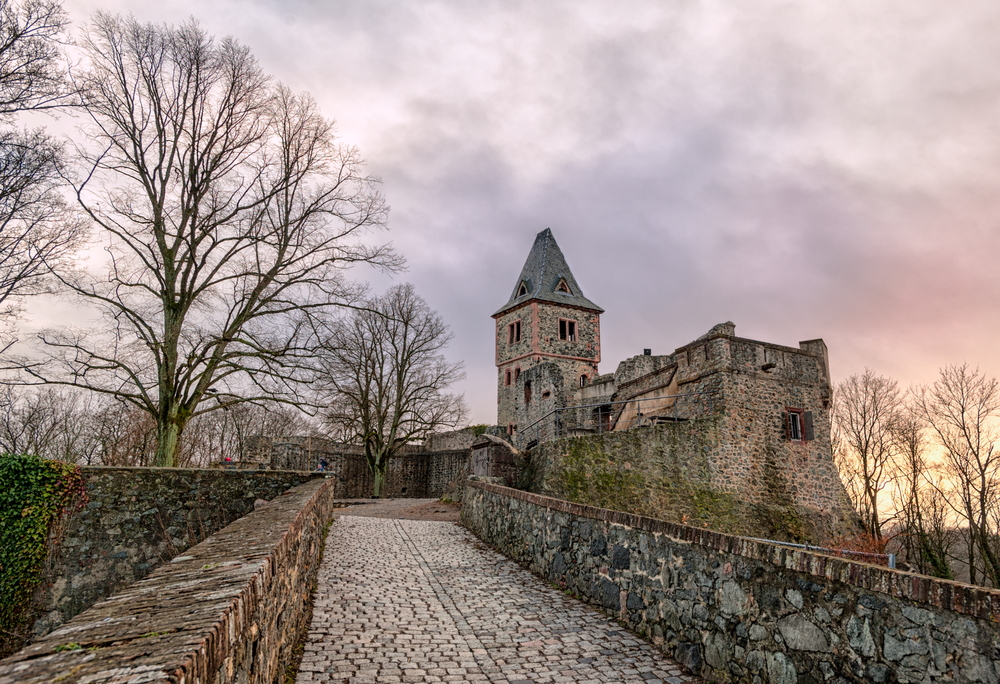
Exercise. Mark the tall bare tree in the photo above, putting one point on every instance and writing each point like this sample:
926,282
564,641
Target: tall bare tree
227,207
962,408
385,377
866,411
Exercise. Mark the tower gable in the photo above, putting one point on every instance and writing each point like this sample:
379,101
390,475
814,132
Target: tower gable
546,277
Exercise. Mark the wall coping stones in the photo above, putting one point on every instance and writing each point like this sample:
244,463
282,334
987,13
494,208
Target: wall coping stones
227,609
961,598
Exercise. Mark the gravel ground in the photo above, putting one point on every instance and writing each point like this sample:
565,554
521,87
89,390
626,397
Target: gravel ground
423,601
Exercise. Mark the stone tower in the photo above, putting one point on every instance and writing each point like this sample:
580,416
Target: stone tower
547,320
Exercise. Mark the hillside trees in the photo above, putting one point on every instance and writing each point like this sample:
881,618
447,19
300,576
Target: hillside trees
226,208
384,376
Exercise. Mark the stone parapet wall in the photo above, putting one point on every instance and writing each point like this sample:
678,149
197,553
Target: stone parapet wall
737,610
408,476
419,471
137,519
228,610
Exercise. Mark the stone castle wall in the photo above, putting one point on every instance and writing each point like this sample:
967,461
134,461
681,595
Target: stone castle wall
228,611
136,520
731,463
737,610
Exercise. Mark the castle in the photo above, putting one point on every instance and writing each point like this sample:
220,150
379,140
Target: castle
724,415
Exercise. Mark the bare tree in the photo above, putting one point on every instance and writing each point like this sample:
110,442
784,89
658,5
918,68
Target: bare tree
921,511
385,377
866,411
32,75
962,407
37,229
227,207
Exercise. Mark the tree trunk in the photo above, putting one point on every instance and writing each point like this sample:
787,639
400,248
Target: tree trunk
378,472
168,435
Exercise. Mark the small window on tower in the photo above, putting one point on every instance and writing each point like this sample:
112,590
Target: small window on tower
522,290
567,330
799,425
527,392
514,332
506,378
563,287
584,380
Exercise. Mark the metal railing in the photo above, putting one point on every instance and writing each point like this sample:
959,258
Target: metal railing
888,558
614,416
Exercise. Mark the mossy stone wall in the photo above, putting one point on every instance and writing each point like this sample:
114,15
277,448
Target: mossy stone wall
668,471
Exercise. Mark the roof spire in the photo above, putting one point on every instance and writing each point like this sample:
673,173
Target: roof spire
546,277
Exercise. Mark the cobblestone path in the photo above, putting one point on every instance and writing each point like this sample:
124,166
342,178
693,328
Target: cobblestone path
417,601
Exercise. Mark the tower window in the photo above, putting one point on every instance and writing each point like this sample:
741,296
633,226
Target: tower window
527,392
583,380
563,287
506,378
522,290
514,332
567,330
799,425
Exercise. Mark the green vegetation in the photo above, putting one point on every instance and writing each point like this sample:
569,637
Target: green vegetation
479,430
34,493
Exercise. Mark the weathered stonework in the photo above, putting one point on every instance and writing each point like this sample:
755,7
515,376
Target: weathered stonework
228,611
138,519
729,461
737,610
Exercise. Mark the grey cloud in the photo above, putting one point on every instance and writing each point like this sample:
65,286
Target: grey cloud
804,169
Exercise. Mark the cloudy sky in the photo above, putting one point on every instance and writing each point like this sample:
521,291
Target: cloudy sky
805,169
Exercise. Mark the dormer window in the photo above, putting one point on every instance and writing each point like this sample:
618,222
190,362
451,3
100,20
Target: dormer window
563,287
522,290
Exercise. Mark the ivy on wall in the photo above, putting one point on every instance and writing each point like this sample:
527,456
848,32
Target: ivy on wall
34,493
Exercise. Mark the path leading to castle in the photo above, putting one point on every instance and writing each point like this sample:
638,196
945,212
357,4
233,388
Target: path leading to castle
421,601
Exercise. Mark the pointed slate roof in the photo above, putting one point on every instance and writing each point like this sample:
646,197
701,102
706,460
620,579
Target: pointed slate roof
543,272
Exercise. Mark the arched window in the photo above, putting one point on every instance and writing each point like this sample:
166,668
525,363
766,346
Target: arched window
584,380
522,290
563,287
